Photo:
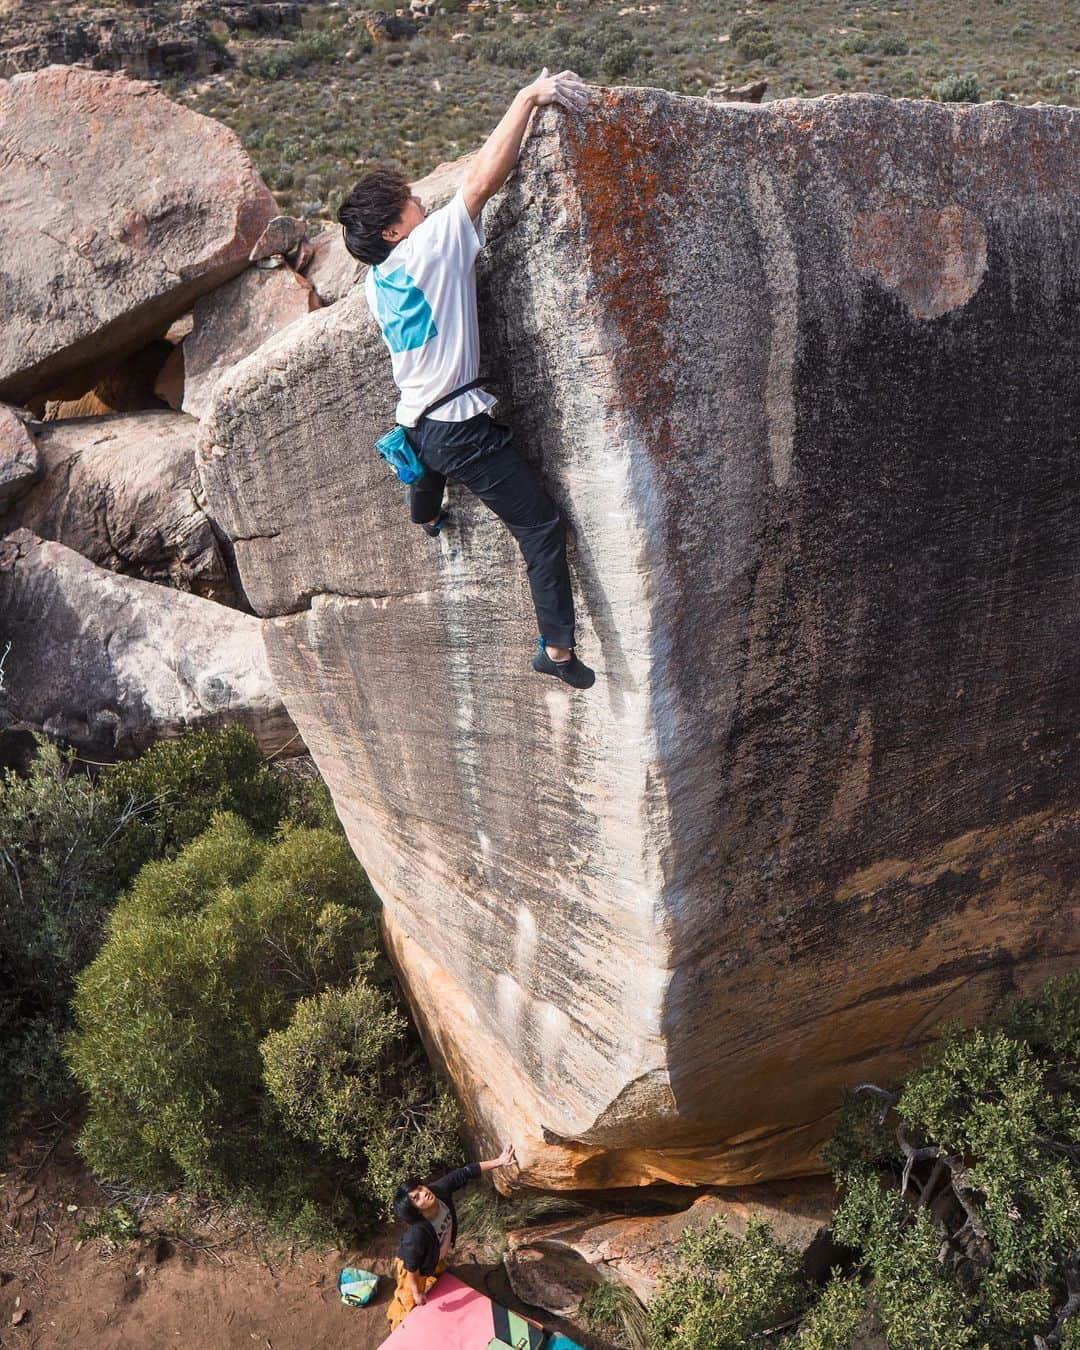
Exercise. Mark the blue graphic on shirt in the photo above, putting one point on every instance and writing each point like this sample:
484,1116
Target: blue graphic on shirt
404,313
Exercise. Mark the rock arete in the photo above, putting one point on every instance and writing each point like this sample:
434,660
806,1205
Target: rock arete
803,377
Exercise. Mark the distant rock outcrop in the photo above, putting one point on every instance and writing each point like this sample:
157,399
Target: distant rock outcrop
128,208
803,377
146,44
109,664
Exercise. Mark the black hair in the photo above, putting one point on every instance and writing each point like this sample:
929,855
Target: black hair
373,205
403,1206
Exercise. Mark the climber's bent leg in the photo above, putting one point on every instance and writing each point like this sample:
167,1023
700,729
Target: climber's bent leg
479,454
425,497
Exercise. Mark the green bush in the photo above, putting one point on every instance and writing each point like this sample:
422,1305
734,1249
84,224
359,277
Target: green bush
986,1135
958,89
274,64
238,1034
834,1319
71,843
725,1290
206,954
345,1077
58,838
177,786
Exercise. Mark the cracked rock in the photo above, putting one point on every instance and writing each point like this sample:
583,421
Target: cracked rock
120,663
122,491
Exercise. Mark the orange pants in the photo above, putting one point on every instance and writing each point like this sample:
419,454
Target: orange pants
403,1303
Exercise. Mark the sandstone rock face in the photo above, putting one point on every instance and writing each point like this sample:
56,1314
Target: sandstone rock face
554,1266
282,235
96,256
232,321
20,463
802,375
110,664
123,491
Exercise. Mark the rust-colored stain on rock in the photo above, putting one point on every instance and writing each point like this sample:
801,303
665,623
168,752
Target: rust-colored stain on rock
622,181
933,258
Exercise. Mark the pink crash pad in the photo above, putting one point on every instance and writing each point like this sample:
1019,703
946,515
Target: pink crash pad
454,1317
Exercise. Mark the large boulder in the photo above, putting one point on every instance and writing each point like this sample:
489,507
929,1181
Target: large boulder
802,375
124,492
20,463
555,1265
120,208
109,664
232,321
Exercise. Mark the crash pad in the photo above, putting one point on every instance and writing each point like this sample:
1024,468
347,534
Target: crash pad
454,1317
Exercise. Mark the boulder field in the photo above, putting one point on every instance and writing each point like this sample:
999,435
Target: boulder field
129,228
802,377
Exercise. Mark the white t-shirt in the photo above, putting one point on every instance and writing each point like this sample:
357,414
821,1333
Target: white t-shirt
441,1224
424,297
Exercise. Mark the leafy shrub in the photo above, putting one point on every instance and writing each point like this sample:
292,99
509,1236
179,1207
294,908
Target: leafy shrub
177,786
114,1226
958,89
987,1132
237,1033
725,1290
71,843
274,64
854,44
343,1077
206,954
835,1317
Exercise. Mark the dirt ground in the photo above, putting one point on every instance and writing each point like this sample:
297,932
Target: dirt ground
195,1278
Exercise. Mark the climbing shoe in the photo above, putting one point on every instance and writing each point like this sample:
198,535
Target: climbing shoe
436,527
571,671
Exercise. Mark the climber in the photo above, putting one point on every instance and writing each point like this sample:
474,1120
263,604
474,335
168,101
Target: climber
422,289
429,1211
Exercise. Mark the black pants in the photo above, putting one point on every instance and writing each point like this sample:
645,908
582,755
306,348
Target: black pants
479,454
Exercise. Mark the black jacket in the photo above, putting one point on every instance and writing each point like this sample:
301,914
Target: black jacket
419,1249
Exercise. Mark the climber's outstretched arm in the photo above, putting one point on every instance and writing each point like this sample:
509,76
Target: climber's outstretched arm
498,155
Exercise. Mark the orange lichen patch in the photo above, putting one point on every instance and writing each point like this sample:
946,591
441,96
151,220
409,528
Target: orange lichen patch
933,259
623,165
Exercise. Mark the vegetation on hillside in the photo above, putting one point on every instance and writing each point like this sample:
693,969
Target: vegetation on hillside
70,843
960,1210
316,109
239,1029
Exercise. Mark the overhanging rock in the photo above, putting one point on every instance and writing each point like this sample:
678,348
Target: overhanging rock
803,378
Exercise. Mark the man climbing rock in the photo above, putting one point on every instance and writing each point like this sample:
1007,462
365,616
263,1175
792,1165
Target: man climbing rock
422,289
429,1211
